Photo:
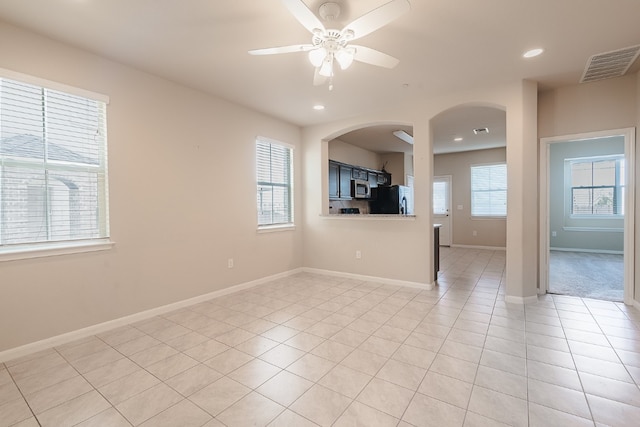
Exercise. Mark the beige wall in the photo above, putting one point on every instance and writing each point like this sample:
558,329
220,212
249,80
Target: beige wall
401,249
588,107
399,165
182,200
340,151
603,105
490,232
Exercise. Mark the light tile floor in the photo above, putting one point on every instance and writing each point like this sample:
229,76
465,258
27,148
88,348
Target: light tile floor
316,350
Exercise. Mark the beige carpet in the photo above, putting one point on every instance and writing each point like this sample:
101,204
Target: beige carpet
587,275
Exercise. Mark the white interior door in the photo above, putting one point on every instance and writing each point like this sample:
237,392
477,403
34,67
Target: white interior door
442,207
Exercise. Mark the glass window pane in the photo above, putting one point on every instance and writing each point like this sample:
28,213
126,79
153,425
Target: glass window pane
489,190
604,173
273,170
53,178
582,201
439,198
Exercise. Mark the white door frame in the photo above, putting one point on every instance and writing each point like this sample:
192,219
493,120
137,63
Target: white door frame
449,179
629,209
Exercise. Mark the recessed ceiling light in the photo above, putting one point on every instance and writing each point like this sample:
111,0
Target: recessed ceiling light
318,107
458,139
532,53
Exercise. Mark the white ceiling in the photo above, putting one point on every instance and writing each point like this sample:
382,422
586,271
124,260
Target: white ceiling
451,124
442,45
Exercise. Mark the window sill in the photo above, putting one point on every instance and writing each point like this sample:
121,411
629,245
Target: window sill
596,216
594,229
276,228
41,250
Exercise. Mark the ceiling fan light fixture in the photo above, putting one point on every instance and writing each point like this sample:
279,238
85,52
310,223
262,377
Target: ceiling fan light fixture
326,69
345,58
316,56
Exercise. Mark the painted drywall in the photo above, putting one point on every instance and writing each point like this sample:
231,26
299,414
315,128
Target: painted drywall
560,200
588,107
340,151
591,107
490,231
394,163
399,165
182,200
402,249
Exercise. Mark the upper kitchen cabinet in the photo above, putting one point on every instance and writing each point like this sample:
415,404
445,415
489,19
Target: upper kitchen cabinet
339,181
334,180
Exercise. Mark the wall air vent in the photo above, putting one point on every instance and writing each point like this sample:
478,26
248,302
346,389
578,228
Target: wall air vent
610,64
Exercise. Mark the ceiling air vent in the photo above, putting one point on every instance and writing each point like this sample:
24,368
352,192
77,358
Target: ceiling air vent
481,131
609,64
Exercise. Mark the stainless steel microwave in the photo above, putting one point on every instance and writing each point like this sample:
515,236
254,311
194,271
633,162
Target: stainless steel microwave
360,189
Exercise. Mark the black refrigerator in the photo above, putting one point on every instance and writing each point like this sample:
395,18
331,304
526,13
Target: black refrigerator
392,199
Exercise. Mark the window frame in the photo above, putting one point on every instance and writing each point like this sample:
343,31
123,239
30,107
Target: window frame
17,251
472,191
618,189
276,226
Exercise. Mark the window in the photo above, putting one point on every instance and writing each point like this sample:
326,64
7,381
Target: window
440,196
275,190
597,186
53,174
489,190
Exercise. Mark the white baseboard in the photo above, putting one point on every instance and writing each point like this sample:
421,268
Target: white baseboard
589,251
425,286
492,248
68,337
521,300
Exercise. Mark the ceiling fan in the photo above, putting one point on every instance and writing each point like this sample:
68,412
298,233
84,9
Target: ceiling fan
329,45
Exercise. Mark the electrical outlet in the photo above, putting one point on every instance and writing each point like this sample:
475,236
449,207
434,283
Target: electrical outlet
358,254
475,233
230,263
554,234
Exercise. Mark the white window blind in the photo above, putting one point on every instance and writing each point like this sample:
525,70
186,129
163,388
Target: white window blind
274,179
489,190
440,198
53,166
597,186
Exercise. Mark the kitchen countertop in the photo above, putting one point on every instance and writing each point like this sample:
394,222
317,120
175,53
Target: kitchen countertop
370,216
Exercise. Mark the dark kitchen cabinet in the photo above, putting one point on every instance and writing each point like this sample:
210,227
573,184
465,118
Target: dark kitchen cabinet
359,174
341,174
345,182
373,179
339,181
334,181
384,178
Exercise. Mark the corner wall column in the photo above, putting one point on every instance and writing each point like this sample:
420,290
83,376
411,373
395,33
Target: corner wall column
522,197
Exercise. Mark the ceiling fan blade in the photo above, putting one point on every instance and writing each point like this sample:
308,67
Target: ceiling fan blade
377,18
304,15
318,80
374,57
282,49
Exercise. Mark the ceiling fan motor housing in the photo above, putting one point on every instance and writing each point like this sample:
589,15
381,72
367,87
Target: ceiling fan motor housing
329,11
